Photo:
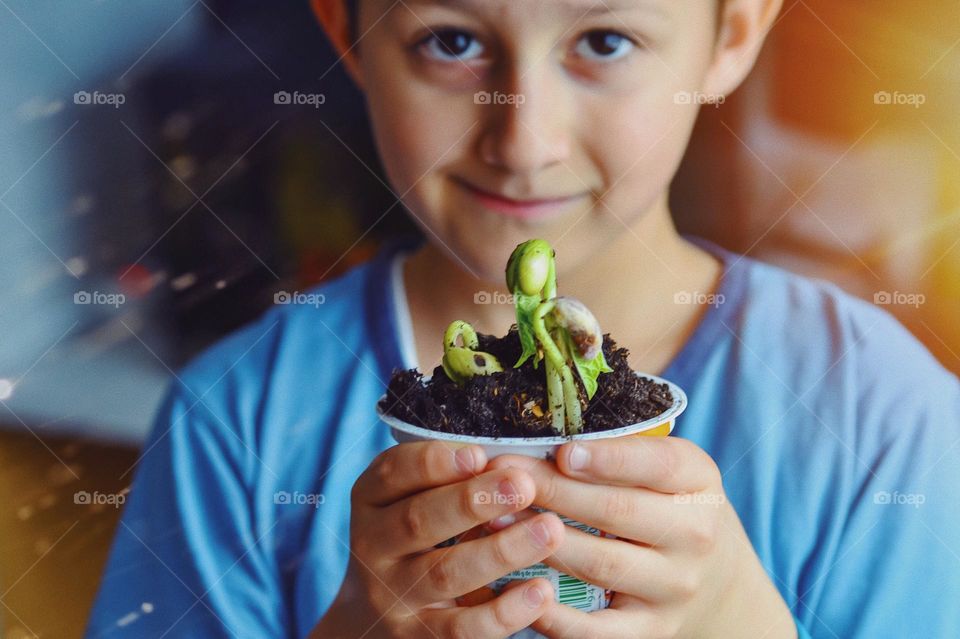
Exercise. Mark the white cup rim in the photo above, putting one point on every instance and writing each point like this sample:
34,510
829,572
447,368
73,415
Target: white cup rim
666,417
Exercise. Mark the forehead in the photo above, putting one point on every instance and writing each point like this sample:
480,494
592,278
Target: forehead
575,8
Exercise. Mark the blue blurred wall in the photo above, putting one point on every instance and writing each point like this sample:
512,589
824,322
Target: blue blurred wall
68,368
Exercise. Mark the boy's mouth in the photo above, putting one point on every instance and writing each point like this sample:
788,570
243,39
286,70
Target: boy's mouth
537,209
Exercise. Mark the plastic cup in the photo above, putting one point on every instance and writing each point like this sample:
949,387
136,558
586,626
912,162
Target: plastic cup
567,589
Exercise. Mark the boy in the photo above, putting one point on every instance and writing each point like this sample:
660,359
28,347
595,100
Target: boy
763,516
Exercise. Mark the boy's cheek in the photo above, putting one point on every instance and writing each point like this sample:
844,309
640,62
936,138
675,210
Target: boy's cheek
640,148
418,132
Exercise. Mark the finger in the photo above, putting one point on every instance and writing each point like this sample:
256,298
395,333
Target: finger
452,571
405,469
515,609
563,622
433,516
637,514
620,566
509,519
665,464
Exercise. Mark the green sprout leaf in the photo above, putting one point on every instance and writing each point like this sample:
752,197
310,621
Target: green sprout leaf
460,364
462,360
531,278
526,305
588,369
530,267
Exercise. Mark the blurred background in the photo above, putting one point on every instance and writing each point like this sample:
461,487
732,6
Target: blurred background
158,187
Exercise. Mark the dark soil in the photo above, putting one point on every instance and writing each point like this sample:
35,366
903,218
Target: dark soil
513,403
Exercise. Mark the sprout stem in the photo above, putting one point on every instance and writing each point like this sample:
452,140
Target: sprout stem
562,331
564,397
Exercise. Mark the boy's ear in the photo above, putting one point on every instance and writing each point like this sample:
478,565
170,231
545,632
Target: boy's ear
743,29
335,20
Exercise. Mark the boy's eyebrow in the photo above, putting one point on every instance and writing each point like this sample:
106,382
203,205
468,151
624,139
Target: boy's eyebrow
571,6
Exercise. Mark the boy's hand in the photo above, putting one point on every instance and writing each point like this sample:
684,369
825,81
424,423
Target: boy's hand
412,497
682,565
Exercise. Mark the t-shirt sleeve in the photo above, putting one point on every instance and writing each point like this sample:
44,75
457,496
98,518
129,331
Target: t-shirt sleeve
894,570
190,557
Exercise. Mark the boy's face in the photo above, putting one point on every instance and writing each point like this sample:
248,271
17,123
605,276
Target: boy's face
502,120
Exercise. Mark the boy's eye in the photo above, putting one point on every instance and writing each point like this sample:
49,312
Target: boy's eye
604,45
452,45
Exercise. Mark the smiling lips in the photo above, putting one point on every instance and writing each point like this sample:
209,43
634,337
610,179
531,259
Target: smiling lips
524,209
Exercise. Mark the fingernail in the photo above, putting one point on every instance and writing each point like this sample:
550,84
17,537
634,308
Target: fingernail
508,490
540,534
533,596
502,522
466,461
579,457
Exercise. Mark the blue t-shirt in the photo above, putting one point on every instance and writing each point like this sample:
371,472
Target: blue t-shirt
835,430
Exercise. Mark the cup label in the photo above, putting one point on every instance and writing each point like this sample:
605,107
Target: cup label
569,590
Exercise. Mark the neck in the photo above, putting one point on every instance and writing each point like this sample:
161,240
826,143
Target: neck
648,260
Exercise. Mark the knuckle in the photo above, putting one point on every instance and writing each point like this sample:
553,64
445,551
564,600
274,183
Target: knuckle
547,493
384,469
459,628
685,585
375,596
360,546
370,588
442,575
521,481
668,468
413,521
498,463
704,461
600,567
470,505
617,506
501,616
613,458
703,536
667,628
547,623
715,477
557,530
430,458
393,630
656,626
501,547
700,459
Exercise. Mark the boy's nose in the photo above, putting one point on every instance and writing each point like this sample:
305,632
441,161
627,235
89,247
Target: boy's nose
524,131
